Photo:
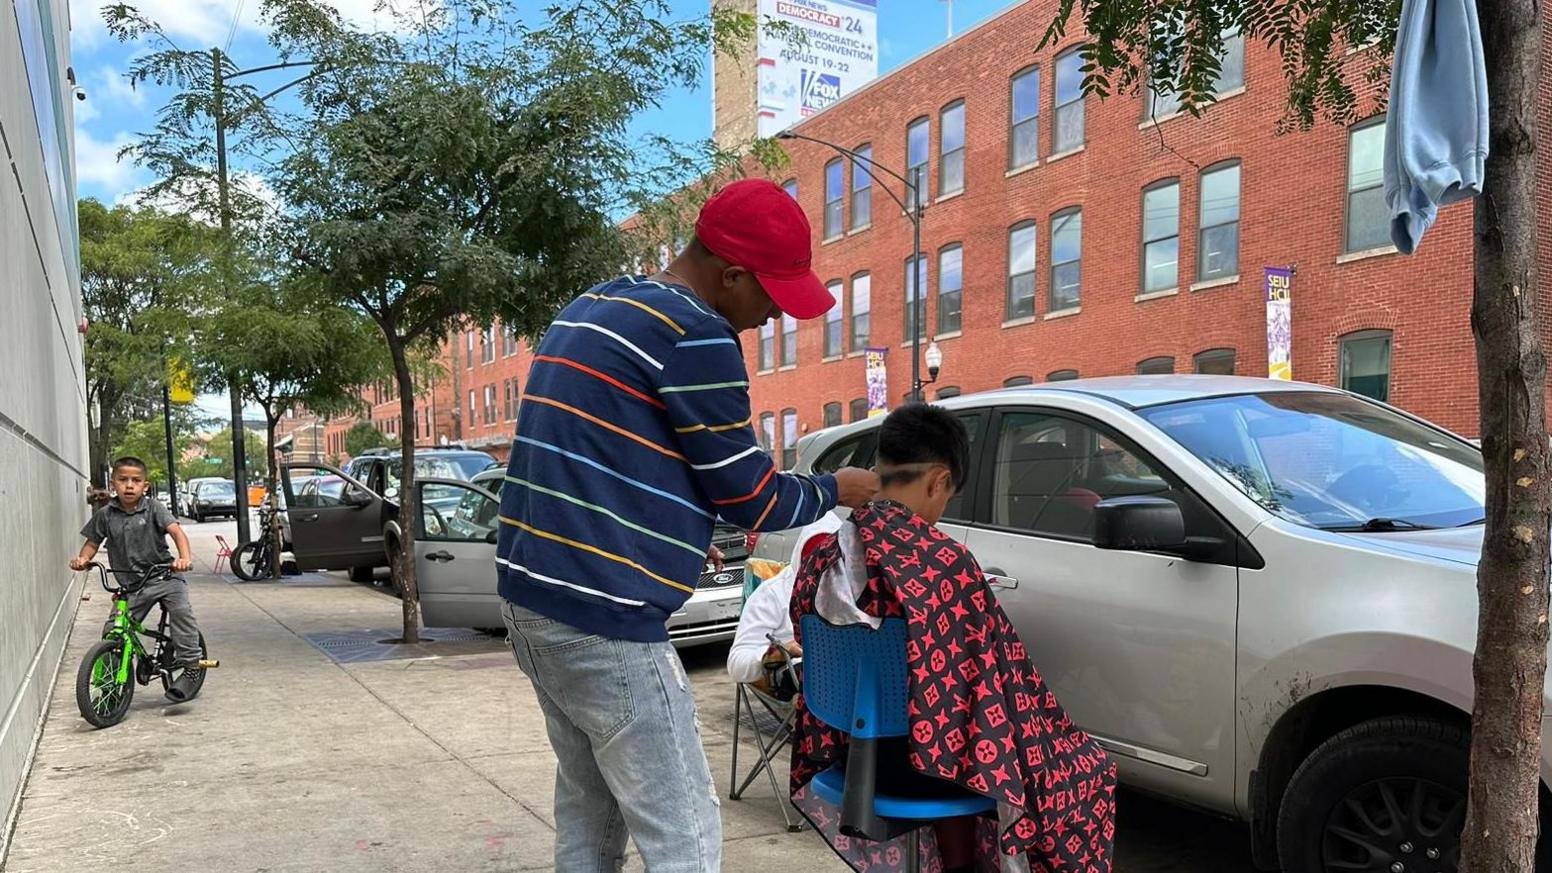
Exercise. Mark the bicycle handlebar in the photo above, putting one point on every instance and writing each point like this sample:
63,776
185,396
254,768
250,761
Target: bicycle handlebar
155,571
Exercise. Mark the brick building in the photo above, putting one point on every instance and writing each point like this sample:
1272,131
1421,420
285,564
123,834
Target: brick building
1038,263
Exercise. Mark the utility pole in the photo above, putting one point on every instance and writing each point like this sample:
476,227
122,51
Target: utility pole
172,462
239,449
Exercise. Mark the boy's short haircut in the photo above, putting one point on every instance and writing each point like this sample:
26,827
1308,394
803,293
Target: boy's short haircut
130,461
921,434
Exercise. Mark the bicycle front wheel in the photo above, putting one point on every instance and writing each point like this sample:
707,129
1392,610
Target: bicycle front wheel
101,697
251,562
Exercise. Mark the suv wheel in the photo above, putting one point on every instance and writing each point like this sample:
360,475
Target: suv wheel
1387,795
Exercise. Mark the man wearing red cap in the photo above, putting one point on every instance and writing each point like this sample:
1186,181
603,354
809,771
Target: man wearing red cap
635,435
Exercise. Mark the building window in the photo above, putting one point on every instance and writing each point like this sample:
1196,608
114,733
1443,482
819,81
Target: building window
861,302
834,322
951,283
1017,381
768,346
490,404
468,349
473,411
951,149
791,187
1366,363
950,391
506,400
1160,366
1069,102
1024,123
916,138
488,346
1217,250
834,212
1215,362
859,409
509,342
789,341
1021,271
1368,218
1161,236
1061,376
1231,75
768,432
862,187
1066,259
915,298
832,414
789,438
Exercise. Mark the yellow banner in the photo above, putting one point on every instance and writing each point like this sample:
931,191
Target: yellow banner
180,382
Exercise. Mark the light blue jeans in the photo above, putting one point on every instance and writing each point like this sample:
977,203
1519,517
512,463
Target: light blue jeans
627,746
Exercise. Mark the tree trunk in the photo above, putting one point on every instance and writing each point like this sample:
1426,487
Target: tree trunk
102,437
271,484
1511,653
409,499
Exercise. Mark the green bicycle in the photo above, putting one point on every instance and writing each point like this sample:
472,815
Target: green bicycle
105,682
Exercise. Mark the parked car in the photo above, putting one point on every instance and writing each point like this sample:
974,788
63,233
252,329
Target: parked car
1259,596
379,468
212,497
339,523
185,505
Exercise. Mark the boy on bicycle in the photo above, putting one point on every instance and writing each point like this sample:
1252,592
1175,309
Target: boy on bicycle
136,528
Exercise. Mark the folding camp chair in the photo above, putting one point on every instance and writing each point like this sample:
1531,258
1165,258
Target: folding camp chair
779,718
223,555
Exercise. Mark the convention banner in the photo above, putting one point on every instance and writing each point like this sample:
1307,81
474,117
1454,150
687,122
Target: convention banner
837,55
878,381
1279,323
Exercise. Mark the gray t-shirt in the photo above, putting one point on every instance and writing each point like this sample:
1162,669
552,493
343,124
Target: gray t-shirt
137,538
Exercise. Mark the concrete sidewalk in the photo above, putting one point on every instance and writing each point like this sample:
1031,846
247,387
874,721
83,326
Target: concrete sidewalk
303,753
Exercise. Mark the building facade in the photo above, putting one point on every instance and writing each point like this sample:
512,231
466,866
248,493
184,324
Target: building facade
43,458
1066,236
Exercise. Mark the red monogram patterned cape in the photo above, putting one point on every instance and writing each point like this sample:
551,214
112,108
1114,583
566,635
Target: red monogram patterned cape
980,714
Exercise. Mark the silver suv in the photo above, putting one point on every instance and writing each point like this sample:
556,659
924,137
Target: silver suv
1259,596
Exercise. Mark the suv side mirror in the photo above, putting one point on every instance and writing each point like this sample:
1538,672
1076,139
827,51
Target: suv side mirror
1139,524
490,536
355,497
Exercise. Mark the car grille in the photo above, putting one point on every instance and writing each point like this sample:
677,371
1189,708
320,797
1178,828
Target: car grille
729,577
733,544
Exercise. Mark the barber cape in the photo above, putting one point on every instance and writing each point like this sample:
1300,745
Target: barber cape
980,715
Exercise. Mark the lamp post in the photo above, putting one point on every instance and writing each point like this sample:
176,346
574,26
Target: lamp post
912,212
934,364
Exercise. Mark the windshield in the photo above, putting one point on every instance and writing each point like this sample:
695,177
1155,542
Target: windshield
438,467
217,489
1331,461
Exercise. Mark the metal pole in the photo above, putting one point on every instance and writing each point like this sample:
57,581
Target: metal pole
172,463
239,449
916,284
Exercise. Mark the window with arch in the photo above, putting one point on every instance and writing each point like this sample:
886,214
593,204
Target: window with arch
1069,102
1214,362
834,322
1160,366
1160,103
767,345
1024,120
789,341
862,187
1368,216
916,147
950,391
915,297
1061,376
1017,381
768,432
1021,271
1066,259
1217,246
1365,363
861,305
951,149
834,208
789,438
1161,235
832,414
859,409
791,187
951,283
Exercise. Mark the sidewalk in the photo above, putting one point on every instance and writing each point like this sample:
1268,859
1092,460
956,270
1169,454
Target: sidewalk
294,759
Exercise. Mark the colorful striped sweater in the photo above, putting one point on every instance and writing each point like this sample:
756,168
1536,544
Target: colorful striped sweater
635,434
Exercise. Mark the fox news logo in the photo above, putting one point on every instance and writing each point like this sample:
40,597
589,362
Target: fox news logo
819,90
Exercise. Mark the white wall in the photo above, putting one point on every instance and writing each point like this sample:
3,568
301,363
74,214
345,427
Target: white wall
42,393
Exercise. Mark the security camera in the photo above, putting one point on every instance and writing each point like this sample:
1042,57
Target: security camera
80,93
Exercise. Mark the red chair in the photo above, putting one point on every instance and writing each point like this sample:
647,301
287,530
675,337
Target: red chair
223,556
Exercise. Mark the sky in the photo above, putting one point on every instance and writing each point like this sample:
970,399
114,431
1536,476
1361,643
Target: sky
114,112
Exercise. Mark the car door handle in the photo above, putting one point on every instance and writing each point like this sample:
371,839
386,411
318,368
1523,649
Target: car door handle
311,516
439,556
997,578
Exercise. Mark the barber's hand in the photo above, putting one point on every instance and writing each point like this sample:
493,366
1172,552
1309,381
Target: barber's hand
79,564
855,487
182,565
714,558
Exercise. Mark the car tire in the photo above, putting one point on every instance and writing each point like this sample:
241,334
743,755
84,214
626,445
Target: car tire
363,574
1337,808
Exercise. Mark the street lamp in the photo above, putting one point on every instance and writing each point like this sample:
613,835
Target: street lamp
934,364
914,213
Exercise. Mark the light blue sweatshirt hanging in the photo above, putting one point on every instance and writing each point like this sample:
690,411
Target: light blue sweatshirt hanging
1436,123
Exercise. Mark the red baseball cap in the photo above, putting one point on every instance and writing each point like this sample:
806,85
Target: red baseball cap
754,224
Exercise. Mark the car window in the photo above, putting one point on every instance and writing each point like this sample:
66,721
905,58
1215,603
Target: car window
956,509
846,453
455,512
1051,471
426,467
312,487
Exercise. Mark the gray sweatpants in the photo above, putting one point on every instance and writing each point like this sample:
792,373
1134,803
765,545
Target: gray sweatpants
173,594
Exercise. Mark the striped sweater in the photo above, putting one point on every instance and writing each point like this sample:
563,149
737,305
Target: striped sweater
634,436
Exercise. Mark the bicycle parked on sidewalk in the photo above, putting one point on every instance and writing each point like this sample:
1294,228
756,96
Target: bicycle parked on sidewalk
105,682
257,559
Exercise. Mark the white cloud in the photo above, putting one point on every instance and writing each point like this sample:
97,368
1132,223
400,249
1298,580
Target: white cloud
86,111
97,163
197,24
113,89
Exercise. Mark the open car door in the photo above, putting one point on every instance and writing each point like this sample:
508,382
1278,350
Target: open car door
336,522
455,555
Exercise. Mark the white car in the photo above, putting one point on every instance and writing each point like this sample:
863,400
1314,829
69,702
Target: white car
1259,596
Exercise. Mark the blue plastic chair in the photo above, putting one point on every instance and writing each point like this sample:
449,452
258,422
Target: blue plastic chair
855,681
